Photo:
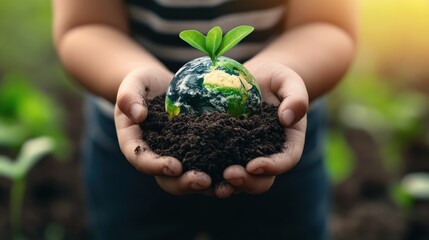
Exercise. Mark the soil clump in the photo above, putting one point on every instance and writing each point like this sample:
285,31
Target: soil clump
211,142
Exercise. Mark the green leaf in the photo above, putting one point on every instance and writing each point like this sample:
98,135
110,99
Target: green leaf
232,38
416,185
32,151
213,41
340,159
7,168
401,197
195,39
12,134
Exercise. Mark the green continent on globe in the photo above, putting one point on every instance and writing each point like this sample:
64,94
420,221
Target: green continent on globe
201,87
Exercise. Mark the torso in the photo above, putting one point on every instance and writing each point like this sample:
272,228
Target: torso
156,24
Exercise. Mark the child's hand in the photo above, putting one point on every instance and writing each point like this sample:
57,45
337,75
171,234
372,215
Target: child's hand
130,110
282,87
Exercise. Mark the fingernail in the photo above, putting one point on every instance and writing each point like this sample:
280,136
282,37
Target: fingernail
136,110
224,191
236,181
288,117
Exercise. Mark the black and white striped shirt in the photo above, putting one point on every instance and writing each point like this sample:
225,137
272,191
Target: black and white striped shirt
156,25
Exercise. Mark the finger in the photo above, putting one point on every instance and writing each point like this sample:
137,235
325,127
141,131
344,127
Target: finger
284,161
131,98
137,151
190,182
224,190
241,180
293,95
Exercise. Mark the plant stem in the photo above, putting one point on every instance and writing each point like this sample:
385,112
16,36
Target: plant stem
16,201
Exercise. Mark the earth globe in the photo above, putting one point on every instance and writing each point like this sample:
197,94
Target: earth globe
203,87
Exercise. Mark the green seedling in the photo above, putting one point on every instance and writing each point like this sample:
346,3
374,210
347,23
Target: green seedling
215,83
31,152
214,45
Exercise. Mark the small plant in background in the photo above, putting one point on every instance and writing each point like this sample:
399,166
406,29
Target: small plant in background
31,152
412,187
340,159
416,185
30,128
392,118
25,112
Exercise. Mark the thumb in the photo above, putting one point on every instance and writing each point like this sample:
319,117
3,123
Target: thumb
294,100
131,98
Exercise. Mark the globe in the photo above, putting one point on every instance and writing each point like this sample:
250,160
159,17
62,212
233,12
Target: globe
201,87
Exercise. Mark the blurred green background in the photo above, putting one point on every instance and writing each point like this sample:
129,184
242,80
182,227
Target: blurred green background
378,148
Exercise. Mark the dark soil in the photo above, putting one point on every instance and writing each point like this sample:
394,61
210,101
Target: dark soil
211,142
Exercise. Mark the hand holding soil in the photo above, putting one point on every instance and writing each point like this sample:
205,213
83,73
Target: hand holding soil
131,110
220,153
281,87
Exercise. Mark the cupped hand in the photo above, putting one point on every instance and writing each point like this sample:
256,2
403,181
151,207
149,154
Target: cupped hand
284,88
130,111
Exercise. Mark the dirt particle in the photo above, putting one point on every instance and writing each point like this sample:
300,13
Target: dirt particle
137,150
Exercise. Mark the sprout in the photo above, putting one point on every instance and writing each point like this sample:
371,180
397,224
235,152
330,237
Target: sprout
214,45
31,152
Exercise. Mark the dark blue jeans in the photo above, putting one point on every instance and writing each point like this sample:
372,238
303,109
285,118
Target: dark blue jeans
126,204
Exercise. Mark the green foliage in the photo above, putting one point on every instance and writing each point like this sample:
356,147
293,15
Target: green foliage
28,60
24,41
232,38
26,44
195,39
400,197
340,160
413,186
213,41
25,112
368,102
416,185
31,152
214,45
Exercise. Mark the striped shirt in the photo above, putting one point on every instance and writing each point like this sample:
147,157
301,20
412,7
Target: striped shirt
156,25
